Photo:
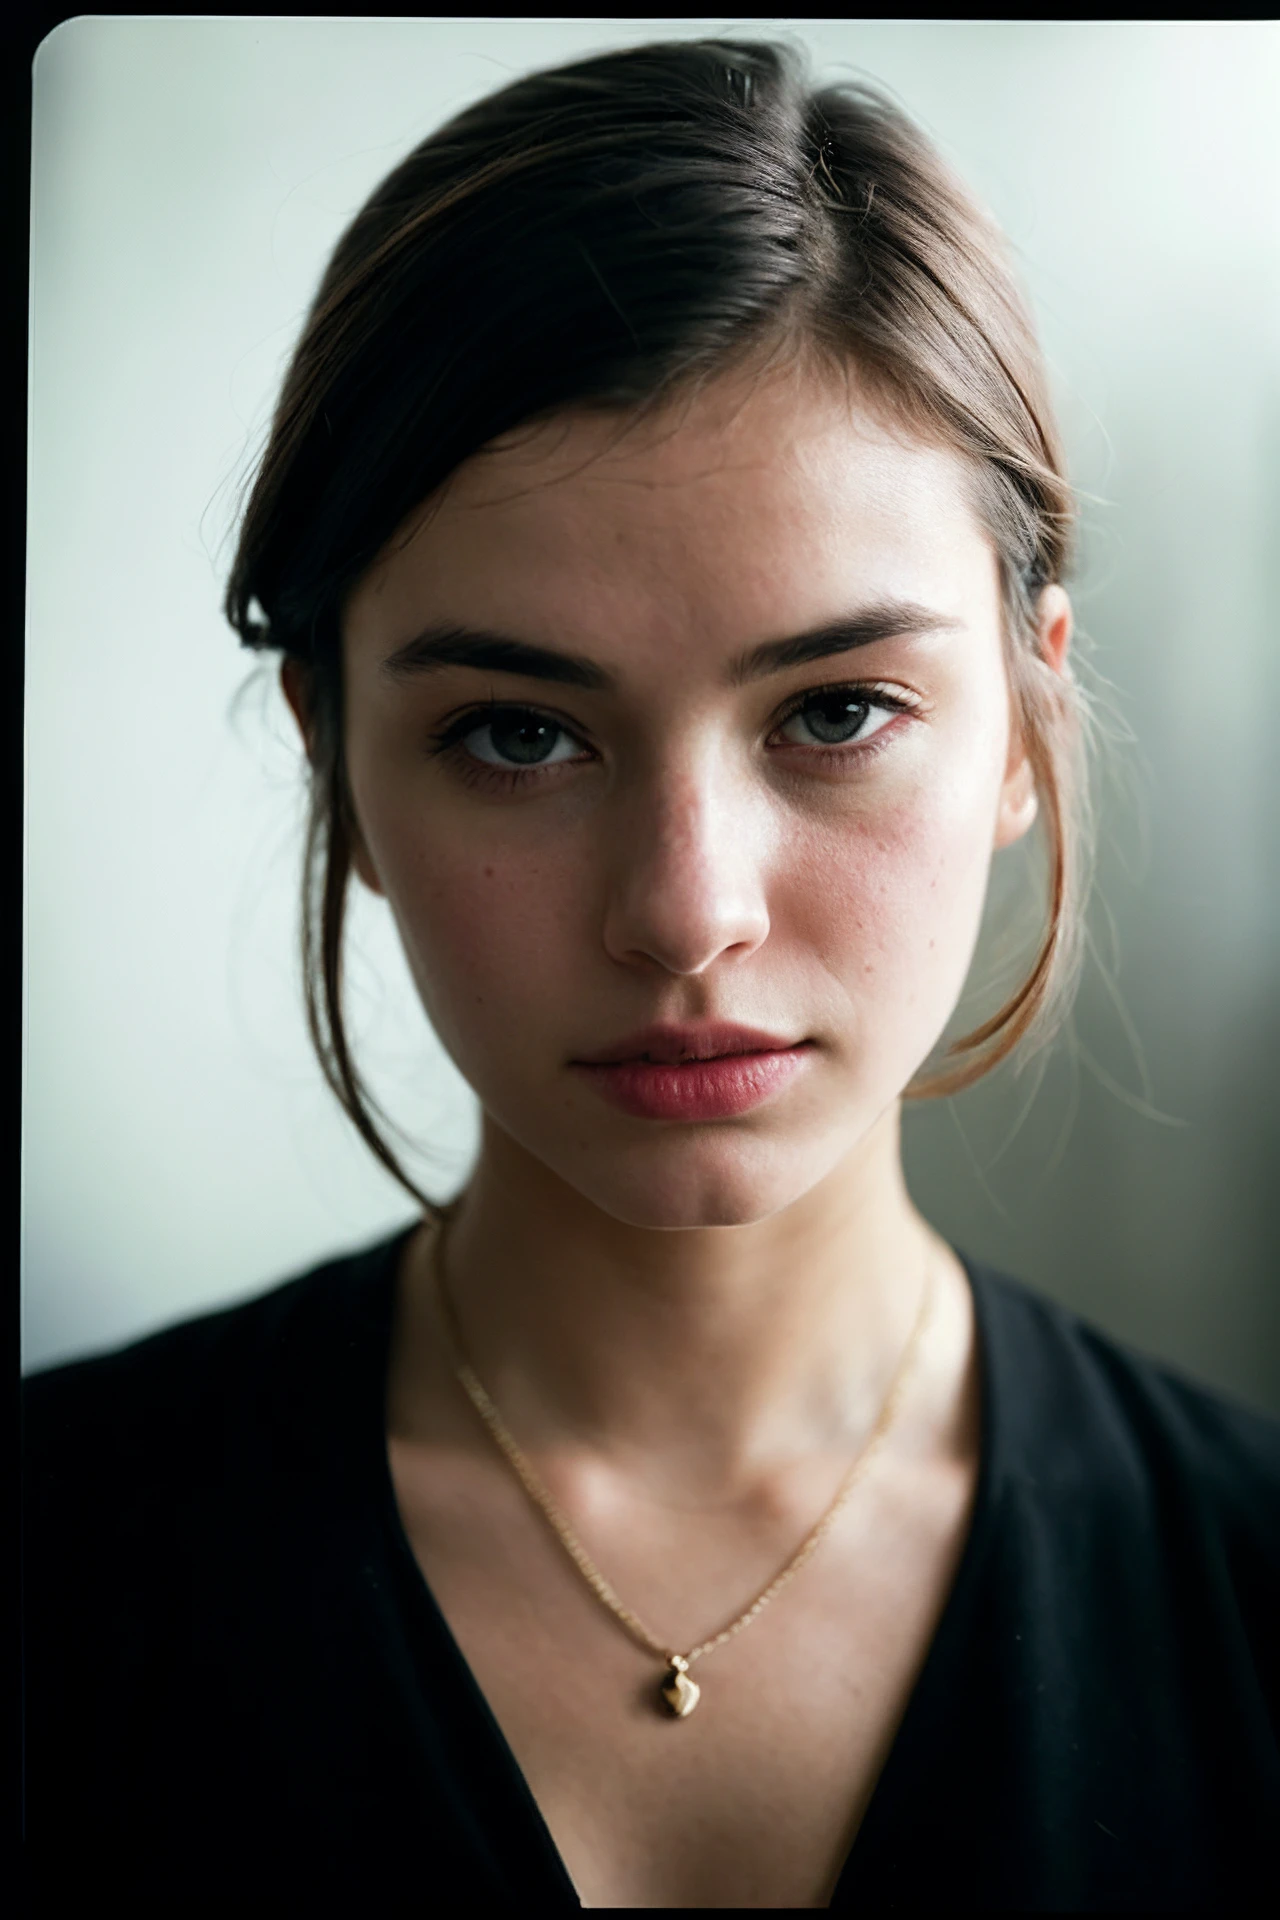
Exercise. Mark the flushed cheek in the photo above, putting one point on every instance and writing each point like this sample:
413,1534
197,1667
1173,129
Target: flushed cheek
484,936
892,910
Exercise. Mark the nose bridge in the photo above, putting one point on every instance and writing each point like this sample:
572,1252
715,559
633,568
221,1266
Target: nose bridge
689,871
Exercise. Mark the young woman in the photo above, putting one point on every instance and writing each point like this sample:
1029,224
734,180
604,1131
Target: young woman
663,528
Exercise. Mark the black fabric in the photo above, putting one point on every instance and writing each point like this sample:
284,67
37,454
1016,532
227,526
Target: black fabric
242,1697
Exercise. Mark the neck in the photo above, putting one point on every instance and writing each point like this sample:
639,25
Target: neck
709,1353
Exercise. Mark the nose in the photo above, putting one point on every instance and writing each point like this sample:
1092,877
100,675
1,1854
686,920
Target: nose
689,868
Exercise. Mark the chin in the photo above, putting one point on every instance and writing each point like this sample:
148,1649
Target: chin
712,1182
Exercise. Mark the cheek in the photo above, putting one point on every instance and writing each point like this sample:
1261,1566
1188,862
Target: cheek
891,901
484,929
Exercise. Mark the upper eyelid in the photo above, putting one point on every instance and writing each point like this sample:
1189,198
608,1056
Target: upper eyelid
477,715
890,695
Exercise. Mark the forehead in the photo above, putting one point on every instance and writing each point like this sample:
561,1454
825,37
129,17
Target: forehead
756,501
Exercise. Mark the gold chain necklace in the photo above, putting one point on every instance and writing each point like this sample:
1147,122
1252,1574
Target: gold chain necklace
677,1692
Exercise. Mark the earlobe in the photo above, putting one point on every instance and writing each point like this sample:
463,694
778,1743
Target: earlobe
1019,805
293,684
364,866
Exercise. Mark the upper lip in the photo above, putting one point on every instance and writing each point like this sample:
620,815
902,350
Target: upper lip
667,1044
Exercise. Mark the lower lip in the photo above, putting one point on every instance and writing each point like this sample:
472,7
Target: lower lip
696,1089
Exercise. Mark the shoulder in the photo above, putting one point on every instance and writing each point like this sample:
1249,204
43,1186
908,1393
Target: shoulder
1084,1416
159,1397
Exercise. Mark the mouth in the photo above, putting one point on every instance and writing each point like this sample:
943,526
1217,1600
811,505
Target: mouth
706,1081
693,1059
675,1046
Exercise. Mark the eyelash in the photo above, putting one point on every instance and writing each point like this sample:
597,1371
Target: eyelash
447,741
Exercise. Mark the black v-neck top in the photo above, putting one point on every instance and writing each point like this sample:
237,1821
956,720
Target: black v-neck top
242,1697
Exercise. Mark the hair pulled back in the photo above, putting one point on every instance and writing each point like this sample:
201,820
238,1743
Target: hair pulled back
607,235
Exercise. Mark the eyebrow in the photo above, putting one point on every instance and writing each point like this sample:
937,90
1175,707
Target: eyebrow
450,645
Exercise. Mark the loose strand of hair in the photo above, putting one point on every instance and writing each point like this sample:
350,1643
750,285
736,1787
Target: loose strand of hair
328,849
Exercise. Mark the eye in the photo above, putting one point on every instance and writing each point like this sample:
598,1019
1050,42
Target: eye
841,716
512,737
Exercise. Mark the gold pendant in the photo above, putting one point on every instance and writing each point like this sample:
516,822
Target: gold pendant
680,1694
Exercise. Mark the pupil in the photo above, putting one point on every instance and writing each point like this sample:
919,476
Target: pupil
523,736
835,717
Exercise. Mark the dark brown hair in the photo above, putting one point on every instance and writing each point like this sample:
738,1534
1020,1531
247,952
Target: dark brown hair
608,235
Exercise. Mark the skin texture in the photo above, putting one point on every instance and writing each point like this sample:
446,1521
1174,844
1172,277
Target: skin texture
690,1326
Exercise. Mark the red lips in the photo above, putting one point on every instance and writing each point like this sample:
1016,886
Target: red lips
694,1073
668,1044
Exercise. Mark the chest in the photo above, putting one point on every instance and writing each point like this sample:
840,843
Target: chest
755,1798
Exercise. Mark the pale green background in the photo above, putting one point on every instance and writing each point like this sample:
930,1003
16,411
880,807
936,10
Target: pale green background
190,176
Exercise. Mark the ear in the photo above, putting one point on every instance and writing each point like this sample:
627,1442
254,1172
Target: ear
295,682
1018,801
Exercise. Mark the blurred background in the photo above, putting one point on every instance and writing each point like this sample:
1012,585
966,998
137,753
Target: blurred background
190,177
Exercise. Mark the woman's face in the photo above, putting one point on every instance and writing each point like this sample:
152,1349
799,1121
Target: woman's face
750,768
